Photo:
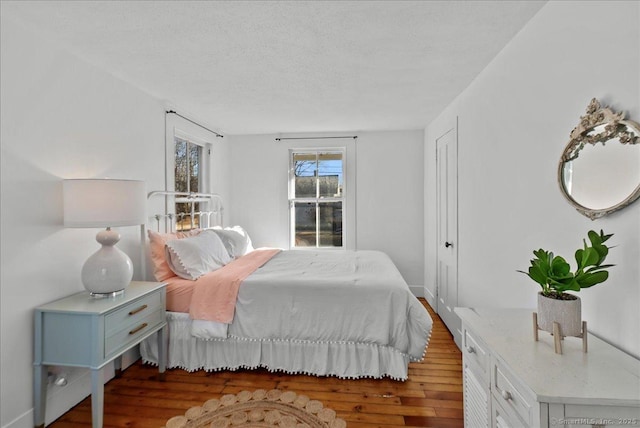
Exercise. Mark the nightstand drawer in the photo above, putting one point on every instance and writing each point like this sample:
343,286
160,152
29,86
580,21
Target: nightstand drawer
132,313
510,394
120,339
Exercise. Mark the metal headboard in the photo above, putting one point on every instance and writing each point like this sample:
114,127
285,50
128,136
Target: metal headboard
213,215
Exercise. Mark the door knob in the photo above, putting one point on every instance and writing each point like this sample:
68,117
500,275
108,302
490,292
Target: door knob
448,244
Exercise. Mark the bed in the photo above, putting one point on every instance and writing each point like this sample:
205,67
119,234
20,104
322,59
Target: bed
339,313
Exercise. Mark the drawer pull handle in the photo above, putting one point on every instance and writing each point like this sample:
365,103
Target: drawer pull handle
471,349
137,329
506,395
140,309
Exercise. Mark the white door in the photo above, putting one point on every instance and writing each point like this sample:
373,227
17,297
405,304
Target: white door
447,231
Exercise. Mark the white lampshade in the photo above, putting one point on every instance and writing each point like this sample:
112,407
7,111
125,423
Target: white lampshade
105,203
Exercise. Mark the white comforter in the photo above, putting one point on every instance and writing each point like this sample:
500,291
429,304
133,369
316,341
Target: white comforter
343,313
327,296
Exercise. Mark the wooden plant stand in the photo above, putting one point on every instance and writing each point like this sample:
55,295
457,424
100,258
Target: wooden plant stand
557,334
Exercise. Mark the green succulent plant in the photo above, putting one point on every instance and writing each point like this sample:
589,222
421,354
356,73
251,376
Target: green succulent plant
554,274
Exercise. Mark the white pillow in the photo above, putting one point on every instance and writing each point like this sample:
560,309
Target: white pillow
192,257
235,239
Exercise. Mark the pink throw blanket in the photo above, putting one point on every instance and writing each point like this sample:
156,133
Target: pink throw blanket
214,296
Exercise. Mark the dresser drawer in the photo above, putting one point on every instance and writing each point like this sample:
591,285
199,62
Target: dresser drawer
502,418
120,339
474,351
132,313
510,394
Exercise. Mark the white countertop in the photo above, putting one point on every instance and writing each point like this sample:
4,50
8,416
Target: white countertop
603,375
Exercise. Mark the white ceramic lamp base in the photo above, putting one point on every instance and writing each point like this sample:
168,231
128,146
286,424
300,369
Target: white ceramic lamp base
108,271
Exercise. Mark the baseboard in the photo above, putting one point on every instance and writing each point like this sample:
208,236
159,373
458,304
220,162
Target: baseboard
25,420
417,290
430,297
60,399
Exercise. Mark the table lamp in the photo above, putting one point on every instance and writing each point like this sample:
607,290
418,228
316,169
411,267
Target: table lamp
105,203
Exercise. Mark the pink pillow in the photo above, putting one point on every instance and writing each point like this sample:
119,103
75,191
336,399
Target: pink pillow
157,242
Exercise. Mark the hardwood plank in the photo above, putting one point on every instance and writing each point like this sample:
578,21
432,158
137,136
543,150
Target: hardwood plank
431,397
433,422
429,402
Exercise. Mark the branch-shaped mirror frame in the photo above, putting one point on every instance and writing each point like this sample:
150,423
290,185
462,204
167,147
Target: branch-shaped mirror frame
615,127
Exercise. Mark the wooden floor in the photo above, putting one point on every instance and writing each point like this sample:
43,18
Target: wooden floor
431,397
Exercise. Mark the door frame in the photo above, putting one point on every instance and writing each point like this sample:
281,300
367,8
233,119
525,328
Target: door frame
453,322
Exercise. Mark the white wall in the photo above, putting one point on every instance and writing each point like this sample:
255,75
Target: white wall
61,118
390,199
514,122
388,184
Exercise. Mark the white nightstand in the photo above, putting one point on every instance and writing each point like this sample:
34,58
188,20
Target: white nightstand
83,331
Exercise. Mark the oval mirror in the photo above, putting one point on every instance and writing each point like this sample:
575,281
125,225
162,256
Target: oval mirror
599,171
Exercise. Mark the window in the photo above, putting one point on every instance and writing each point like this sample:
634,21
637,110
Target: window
188,178
316,198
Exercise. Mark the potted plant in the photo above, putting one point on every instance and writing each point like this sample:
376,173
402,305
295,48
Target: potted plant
554,275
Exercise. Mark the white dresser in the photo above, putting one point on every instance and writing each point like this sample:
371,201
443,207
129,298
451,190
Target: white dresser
510,380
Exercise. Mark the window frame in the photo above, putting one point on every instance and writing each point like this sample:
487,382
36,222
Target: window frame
202,168
292,199
173,132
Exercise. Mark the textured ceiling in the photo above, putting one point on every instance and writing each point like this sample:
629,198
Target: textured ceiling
288,66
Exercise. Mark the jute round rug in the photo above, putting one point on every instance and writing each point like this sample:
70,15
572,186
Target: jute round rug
259,409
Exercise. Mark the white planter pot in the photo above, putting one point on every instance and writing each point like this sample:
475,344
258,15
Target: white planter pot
567,313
